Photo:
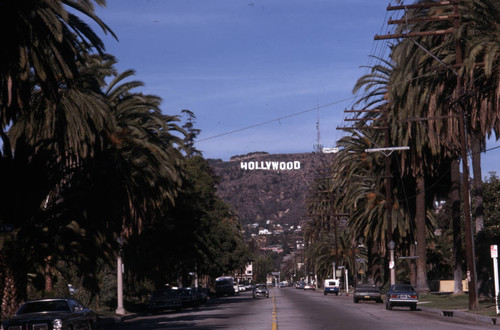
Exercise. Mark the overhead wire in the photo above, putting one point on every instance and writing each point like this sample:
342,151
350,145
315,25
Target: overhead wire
378,58
375,46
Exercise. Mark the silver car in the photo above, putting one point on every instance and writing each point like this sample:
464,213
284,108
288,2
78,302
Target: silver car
260,290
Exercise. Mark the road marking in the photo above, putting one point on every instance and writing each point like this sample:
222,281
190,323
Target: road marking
275,313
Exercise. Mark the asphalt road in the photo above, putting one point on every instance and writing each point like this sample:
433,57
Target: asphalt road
293,309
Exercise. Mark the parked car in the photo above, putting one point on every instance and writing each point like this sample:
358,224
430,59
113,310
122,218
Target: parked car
200,295
310,286
260,290
300,285
331,286
53,313
164,299
188,296
401,295
367,292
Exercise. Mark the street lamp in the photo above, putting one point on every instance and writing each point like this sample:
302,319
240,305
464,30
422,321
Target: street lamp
120,310
391,263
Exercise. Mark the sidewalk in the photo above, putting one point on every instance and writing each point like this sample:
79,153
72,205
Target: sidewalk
456,313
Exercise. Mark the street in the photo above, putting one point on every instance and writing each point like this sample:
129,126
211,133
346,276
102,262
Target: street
293,309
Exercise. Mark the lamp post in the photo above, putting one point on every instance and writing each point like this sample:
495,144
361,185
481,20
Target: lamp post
120,310
392,265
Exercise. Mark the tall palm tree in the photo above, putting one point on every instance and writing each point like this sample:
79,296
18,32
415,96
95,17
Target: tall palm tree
46,146
143,136
419,102
42,44
481,67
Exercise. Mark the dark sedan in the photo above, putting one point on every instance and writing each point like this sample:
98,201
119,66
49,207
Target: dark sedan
54,313
366,292
401,295
164,299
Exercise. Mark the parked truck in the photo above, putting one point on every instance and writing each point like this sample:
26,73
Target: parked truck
331,286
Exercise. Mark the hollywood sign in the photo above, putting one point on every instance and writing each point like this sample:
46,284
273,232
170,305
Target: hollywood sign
270,165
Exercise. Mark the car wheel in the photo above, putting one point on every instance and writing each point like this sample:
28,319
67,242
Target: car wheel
267,296
324,293
89,325
253,296
336,293
413,307
379,301
356,300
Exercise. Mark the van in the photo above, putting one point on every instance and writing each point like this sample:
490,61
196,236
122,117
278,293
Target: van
331,286
224,286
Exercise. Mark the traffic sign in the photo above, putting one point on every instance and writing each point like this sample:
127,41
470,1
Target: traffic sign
494,251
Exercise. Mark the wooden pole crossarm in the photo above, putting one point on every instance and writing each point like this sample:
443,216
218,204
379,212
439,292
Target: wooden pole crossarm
412,34
420,20
346,128
422,5
360,119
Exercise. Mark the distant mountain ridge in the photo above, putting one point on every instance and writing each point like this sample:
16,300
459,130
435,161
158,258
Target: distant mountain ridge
261,186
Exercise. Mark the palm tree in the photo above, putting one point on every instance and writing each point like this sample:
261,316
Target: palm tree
481,60
417,95
324,253
47,146
478,97
42,49
145,136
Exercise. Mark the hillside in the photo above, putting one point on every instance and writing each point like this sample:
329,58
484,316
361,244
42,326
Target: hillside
262,186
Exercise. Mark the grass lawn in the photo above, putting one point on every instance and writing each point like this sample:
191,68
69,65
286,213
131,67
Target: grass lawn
457,302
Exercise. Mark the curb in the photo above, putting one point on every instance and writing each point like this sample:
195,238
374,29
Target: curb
462,315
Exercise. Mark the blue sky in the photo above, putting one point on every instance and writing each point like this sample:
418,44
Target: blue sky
257,73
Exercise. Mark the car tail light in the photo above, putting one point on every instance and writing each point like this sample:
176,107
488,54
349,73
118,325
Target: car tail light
394,296
413,296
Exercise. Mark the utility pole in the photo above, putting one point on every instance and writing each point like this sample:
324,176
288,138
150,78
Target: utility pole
455,19
387,151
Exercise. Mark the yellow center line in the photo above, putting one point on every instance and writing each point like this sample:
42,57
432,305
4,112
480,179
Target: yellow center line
275,313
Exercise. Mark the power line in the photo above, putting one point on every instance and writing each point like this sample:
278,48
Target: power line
275,120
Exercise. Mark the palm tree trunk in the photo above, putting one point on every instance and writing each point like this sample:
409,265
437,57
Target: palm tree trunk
477,182
454,197
420,220
413,266
49,286
3,266
373,263
11,295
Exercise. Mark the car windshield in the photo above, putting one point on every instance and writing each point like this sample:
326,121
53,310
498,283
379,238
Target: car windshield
261,287
44,306
403,288
367,288
163,293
